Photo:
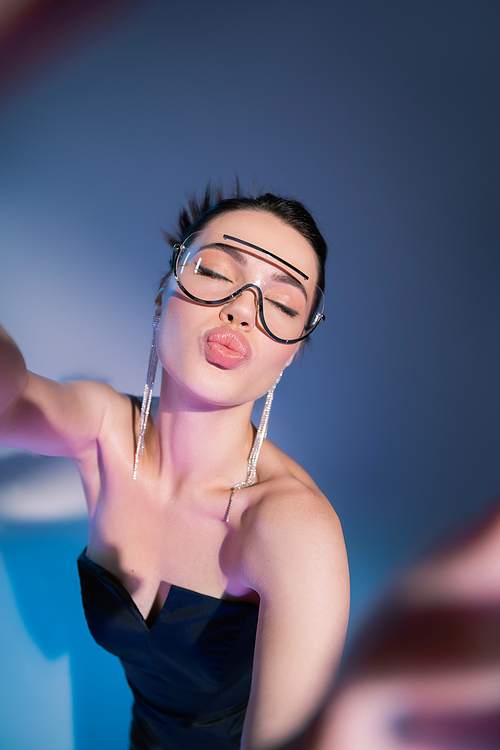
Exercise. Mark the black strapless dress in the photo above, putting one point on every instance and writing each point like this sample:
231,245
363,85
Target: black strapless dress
190,671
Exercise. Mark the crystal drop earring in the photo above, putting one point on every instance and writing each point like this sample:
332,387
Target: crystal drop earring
257,445
147,395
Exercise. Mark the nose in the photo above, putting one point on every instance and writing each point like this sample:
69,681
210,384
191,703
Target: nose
241,311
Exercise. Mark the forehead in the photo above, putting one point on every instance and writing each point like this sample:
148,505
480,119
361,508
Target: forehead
267,231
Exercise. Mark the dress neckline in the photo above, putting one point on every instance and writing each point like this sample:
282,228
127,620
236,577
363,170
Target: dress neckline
106,575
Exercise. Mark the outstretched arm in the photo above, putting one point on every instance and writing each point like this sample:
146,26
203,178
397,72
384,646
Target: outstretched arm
43,416
13,372
297,562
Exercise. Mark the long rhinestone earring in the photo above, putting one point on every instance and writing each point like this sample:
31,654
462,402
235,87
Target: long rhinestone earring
257,445
147,395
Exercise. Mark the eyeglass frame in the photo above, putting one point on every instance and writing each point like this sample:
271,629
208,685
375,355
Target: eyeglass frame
318,317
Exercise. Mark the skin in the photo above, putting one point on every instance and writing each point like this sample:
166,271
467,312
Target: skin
283,546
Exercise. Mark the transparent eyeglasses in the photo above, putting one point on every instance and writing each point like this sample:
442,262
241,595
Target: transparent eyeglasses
213,269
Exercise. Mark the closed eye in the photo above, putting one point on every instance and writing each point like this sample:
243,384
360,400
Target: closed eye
204,271
283,308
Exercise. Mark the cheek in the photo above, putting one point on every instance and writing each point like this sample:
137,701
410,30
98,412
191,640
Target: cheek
174,331
172,316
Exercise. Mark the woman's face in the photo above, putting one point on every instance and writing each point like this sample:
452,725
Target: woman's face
221,354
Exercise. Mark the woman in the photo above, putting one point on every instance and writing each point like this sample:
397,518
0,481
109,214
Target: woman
211,550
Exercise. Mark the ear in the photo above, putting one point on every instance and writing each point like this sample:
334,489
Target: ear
292,356
159,301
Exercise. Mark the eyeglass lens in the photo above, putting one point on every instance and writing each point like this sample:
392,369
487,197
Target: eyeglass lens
211,269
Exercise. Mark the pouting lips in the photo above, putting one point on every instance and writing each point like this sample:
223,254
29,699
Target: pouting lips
226,348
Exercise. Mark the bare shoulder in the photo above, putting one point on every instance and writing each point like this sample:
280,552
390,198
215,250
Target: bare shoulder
292,531
290,498
293,555
61,418
101,413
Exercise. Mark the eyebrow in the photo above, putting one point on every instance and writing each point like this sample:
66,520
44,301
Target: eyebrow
229,250
240,257
267,252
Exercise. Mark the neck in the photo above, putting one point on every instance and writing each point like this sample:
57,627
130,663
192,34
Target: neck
202,444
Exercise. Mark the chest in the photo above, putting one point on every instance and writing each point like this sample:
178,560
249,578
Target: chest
149,543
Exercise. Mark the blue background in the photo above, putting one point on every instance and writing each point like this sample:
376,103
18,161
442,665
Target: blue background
384,119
